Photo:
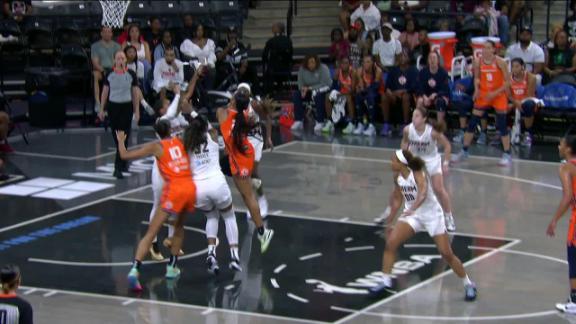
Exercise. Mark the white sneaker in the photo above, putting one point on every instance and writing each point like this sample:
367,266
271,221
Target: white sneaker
318,127
297,126
370,130
568,307
328,127
359,129
349,129
263,203
505,161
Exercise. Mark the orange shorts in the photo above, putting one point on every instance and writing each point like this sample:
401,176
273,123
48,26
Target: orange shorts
241,164
178,196
500,103
571,238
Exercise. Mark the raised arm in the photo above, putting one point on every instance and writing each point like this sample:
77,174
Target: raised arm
148,149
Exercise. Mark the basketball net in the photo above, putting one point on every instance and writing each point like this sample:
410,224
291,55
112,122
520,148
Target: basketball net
113,12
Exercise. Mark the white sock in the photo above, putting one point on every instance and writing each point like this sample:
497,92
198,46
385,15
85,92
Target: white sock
447,215
212,249
231,226
234,253
466,280
387,279
170,231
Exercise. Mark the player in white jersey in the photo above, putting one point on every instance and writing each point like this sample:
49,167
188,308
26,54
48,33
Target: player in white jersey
422,139
168,111
422,213
213,196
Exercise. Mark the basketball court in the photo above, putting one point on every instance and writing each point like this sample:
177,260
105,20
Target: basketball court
73,229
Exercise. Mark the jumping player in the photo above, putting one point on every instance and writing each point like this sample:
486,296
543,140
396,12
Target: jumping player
567,171
491,87
422,140
422,212
235,126
178,195
213,195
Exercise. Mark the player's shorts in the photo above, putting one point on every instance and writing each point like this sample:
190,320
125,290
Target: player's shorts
213,193
258,145
571,238
434,224
500,103
178,196
434,165
157,183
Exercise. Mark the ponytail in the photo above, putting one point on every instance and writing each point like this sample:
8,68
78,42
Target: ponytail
241,125
195,135
414,163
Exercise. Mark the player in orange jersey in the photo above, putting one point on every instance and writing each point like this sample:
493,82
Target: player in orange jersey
567,171
491,87
178,194
236,122
523,98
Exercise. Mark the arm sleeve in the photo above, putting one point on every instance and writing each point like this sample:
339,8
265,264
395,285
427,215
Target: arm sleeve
172,110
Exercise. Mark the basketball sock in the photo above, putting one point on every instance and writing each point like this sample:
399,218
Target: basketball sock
231,226
447,214
387,279
573,295
234,253
261,230
173,261
136,264
211,249
466,281
170,231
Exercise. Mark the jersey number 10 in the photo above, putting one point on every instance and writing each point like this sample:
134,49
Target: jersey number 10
175,153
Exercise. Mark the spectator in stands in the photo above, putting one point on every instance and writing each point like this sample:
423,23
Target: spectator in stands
387,49
369,14
560,60
154,35
102,54
523,90
168,72
498,25
356,51
549,43
229,51
368,83
203,49
277,58
423,47
343,83
409,38
16,9
348,7
386,19
400,83
340,47
313,82
433,88
532,54
136,66
167,42
409,6
14,309
570,23
123,37
188,27
142,48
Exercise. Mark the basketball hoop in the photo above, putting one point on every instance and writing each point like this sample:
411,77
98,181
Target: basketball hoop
113,12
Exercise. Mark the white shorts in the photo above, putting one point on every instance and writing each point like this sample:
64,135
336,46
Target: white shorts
433,225
213,193
258,145
434,166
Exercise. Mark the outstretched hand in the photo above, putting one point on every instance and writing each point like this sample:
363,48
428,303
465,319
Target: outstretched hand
120,136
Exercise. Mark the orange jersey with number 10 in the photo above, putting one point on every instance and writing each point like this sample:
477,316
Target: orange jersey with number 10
179,191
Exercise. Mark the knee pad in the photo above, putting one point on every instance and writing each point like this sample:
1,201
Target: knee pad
212,218
528,108
440,104
473,123
502,124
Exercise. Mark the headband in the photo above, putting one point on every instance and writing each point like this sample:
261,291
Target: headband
401,157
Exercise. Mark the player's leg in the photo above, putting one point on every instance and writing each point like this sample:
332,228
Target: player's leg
443,244
444,199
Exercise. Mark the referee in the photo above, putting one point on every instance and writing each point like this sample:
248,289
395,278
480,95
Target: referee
13,309
119,99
